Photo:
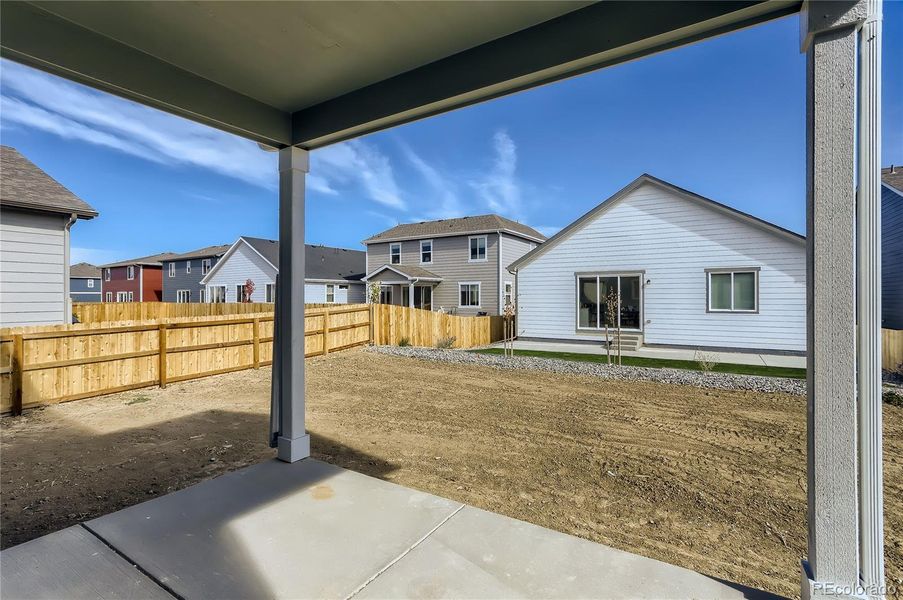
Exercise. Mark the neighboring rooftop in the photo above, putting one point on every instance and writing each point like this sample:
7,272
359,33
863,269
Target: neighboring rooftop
412,272
25,185
321,262
154,260
459,226
84,270
893,176
201,252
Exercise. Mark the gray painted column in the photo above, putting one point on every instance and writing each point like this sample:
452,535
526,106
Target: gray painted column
830,34
411,295
293,442
871,519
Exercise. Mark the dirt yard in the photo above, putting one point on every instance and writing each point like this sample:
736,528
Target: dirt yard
709,480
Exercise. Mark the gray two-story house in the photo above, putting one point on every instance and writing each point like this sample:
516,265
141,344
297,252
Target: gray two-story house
454,265
84,283
182,274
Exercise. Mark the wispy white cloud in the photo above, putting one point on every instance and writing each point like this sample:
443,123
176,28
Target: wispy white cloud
37,100
357,164
446,203
499,189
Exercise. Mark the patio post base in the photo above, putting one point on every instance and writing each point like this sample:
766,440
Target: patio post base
293,449
824,590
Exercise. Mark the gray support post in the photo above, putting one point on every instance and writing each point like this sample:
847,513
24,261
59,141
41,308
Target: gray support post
871,518
840,271
411,295
293,442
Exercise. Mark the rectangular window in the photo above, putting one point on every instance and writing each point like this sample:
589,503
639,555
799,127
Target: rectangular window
395,254
106,274
240,292
90,283
205,266
733,291
343,287
469,294
596,292
269,292
330,293
188,266
385,294
172,269
426,252
122,297
217,294
109,296
509,294
202,296
478,248
130,272
131,296
183,296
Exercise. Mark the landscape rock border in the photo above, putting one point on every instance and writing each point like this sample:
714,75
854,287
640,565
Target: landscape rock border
701,379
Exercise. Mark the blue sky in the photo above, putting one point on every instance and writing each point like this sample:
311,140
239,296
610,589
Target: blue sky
724,118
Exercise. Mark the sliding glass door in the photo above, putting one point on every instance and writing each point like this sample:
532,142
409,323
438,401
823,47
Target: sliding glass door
592,309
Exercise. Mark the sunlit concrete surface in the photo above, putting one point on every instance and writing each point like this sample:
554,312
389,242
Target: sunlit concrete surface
312,530
738,358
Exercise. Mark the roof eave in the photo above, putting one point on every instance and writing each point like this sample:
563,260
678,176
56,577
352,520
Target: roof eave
455,234
80,213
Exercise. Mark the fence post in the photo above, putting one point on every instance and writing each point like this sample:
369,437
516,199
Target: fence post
162,346
326,331
15,376
256,334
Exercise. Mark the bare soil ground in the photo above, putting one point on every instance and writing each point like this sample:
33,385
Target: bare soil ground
710,480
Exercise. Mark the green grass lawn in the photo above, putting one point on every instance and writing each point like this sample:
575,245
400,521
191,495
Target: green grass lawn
660,363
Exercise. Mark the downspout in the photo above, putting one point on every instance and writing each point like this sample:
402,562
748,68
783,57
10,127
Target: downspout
501,292
141,282
67,299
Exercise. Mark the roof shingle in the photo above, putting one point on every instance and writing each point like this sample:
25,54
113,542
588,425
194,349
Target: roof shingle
154,260
24,185
84,270
201,252
893,176
321,262
458,226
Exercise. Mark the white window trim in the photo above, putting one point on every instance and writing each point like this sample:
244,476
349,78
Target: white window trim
206,265
211,296
109,297
130,272
507,293
187,266
618,274
106,274
90,283
269,292
388,289
430,261
326,293
732,271
479,285
239,292
485,249
391,246
172,269
202,295
179,296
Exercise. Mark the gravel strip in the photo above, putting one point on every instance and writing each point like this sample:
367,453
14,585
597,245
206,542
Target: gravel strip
721,381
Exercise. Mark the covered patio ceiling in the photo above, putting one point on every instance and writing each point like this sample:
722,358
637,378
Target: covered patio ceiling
314,73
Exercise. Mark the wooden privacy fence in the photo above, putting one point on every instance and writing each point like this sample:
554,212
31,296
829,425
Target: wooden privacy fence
60,365
426,328
101,312
891,348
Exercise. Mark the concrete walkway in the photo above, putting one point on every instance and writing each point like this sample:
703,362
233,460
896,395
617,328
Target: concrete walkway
738,358
312,530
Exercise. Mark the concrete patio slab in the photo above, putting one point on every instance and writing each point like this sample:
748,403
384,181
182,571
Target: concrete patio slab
737,358
274,530
478,554
74,564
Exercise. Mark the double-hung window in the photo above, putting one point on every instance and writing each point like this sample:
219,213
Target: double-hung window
426,252
395,254
330,293
240,292
205,266
90,283
106,274
733,290
130,272
269,291
188,266
183,296
469,294
509,294
478,248
202,295
172,269
217,294
109,296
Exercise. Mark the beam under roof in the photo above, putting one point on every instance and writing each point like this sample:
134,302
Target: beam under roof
149,52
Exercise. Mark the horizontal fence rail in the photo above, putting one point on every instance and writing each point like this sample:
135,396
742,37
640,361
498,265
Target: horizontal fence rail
102,312
58,363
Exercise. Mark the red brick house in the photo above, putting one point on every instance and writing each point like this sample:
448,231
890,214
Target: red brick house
134,280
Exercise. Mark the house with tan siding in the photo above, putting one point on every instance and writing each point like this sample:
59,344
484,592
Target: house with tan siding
454,265
892,247
687,272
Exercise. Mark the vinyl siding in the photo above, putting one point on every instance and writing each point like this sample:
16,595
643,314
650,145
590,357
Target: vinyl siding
891,258
451,262
673,240
32,268
80,292
512,249
316,293
242,265
184,280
